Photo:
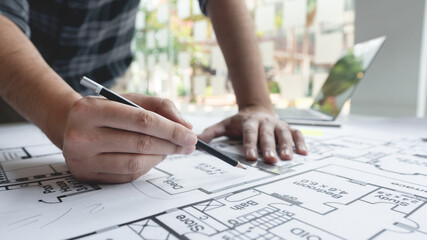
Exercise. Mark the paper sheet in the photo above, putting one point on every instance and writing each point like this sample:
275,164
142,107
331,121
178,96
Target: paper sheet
163,61
196,8
294,13
184,60
200,30
217,59
330,11
200,83
267,53
218,84
140,21
292,86
183,9
318,81
150,40
328,47
151,62
264,18
162,38
377,180
163,13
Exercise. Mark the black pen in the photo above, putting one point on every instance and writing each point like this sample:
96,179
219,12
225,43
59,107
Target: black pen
101,90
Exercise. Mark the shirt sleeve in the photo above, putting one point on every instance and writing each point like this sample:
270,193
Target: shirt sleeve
203,4
18,11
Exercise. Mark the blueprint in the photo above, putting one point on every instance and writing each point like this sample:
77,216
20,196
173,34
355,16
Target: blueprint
350,186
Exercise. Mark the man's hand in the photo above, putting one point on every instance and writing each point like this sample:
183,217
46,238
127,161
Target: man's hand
234,29
257,124
106,141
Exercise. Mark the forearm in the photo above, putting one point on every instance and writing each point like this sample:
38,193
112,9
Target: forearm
30,86
234,30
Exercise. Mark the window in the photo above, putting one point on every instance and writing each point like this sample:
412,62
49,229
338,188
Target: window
177,56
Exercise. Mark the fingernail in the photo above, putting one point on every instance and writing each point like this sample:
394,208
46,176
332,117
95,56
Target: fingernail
286,153
189,150
184,119
302,148
190,139
251,153
270,153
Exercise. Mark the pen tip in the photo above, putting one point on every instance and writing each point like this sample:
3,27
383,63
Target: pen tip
239,165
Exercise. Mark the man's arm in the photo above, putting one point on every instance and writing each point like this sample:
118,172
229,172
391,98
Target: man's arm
234,30
101,140
30,86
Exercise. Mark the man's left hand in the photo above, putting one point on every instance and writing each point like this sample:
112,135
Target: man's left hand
256,124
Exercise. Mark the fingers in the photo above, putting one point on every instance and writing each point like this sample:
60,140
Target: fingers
104,113
250,139
125,164
116,168
299,141
214,131
263,128
113,178
107,141
116,141
267,142
161,106
284,139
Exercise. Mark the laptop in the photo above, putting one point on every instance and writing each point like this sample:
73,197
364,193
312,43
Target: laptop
338,87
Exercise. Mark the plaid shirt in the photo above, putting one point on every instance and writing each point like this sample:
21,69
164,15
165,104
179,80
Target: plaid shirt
79,37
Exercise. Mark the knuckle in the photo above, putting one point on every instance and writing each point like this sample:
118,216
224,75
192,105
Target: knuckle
283,146
178,150
268,134
296,132
135,166
248,145
267,120
133,177
144,144
117,164
248,117
284,132
281,128
249,130
131,95
177,132
145,120
166,103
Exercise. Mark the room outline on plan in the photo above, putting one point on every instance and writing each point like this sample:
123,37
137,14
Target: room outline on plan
263,212
377,184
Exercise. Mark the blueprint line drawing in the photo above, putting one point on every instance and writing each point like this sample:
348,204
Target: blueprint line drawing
315,207
196,176
42,169
55,199
350,186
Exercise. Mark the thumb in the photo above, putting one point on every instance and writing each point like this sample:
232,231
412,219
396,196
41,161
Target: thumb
161,106
212,132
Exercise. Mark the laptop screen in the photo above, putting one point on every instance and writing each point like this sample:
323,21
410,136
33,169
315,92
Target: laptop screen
345,75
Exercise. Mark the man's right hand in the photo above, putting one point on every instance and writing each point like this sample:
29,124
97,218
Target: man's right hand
106,141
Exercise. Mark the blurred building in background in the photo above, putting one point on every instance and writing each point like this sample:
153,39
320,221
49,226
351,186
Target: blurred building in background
177,55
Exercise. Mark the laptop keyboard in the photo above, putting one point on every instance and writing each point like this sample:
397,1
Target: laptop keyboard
297,113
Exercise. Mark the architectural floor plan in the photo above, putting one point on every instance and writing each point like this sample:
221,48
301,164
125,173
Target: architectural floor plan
350,186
